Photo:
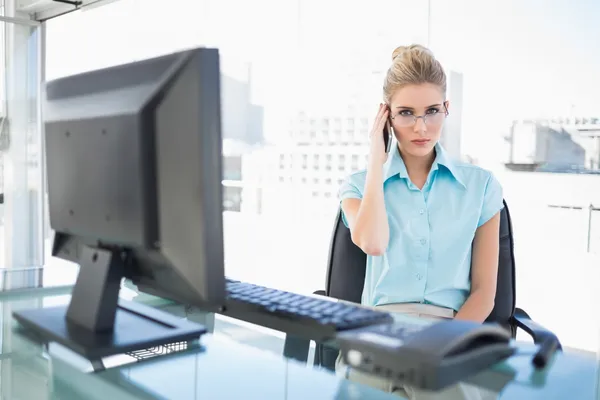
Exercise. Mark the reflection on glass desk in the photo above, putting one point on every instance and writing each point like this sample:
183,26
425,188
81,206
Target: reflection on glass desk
238,361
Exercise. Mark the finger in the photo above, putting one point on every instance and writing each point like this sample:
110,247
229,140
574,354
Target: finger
380,112
377,121
386,114
382,120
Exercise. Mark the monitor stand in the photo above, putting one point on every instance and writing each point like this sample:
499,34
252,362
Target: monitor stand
96,323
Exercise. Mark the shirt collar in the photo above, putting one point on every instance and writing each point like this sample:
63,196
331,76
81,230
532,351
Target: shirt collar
395,165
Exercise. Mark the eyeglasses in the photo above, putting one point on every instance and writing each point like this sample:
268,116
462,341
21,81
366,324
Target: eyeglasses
407,120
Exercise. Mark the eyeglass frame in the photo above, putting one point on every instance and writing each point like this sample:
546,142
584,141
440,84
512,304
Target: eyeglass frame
424,116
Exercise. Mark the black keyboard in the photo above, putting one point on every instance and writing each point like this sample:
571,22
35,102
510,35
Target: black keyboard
303,316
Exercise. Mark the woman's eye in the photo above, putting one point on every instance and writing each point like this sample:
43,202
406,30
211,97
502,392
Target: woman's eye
405,113
433,111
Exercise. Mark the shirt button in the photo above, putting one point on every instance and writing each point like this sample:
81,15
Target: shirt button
421,211
419,276
423,241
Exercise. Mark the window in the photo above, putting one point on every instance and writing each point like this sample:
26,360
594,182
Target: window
354,162
539,143
350,128
341,162
316,161
324,137
337,124
24,233
232,199
232,167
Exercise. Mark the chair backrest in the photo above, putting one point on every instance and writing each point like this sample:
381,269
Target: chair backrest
347,264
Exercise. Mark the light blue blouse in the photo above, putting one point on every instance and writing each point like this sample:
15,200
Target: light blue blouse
428,258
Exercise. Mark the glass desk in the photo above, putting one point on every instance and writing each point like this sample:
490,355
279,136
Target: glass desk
237,360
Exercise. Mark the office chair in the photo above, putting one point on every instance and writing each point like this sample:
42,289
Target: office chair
346,275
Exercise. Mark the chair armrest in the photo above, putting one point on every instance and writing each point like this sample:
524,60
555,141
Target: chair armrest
547,340
535,330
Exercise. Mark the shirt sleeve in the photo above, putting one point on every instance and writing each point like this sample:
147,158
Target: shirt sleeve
493,200
348,190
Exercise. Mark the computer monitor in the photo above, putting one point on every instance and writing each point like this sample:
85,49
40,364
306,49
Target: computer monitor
134,186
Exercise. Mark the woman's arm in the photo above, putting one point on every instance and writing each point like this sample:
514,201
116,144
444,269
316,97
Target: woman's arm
367,218
484,272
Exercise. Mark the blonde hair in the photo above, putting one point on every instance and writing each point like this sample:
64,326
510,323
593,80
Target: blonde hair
413,65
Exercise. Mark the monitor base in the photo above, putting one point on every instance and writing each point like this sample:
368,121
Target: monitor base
136,327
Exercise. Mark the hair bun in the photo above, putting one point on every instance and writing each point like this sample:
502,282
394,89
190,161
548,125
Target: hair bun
398,51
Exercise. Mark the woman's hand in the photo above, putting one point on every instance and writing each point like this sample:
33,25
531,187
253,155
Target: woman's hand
377,152
367,217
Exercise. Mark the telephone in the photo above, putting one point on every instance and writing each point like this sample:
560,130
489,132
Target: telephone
428,357
388,134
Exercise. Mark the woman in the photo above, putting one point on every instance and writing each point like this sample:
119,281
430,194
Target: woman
428,224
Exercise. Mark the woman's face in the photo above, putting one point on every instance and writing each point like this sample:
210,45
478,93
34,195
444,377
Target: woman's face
418,137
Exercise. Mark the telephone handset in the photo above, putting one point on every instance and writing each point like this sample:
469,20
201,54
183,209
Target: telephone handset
388,134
